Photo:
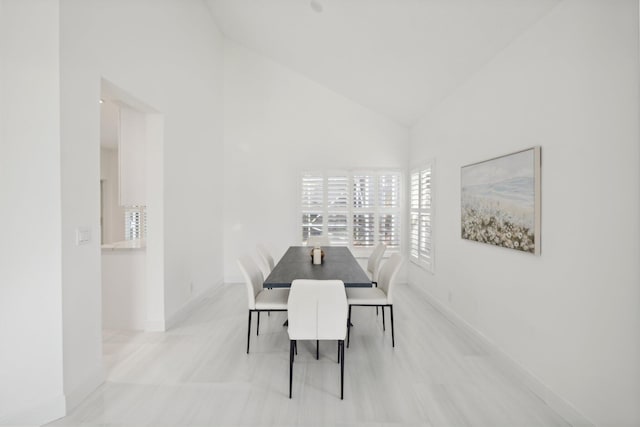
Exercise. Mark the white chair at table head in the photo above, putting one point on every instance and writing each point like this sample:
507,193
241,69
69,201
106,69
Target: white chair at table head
314,241
317,310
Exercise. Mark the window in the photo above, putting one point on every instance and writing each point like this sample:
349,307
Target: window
420,212
356,209
135,222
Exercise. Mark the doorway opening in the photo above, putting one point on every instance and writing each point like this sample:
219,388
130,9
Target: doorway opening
131,179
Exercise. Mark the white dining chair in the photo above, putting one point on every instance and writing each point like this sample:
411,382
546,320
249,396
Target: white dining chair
260,299
373,263
380,296
266,259
314,241
317,310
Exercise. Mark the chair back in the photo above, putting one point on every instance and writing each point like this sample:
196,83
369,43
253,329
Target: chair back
317,310
373,265
388,275
314,241
266,258
253,278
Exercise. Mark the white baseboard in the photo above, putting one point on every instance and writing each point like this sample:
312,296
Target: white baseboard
36,414
41,413
184,311
558,404
78,394
154,326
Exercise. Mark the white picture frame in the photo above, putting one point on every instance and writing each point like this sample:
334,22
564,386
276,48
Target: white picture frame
500,201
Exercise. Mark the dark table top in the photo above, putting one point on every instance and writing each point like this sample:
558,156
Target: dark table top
339,263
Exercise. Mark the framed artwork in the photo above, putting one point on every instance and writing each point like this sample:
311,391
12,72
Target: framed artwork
500,201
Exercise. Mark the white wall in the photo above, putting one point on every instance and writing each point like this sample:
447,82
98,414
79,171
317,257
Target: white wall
278,123
31,378
570,316
167,54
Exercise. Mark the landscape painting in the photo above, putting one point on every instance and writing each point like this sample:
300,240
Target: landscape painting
500,201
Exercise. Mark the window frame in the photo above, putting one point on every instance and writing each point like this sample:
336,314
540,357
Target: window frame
377,210
422,257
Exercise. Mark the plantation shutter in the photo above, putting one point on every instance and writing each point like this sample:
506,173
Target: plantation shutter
312,204
425,217
389,210
355,209
337,209
135,222
414,233
421,248
363,211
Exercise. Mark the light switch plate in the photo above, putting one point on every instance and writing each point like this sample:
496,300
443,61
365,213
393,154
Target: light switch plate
83,236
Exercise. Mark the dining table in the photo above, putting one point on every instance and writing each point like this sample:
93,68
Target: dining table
338,264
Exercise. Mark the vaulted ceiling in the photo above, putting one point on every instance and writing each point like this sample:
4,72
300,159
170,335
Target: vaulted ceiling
397,57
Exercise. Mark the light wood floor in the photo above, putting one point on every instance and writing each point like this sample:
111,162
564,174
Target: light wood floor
198,374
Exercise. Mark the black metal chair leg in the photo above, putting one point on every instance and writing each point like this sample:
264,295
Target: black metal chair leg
291,346
258,326
393,339
317,349
383,326
249,332
376,285
341,345
349,325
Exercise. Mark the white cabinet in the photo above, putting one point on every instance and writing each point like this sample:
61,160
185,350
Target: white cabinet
132,157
